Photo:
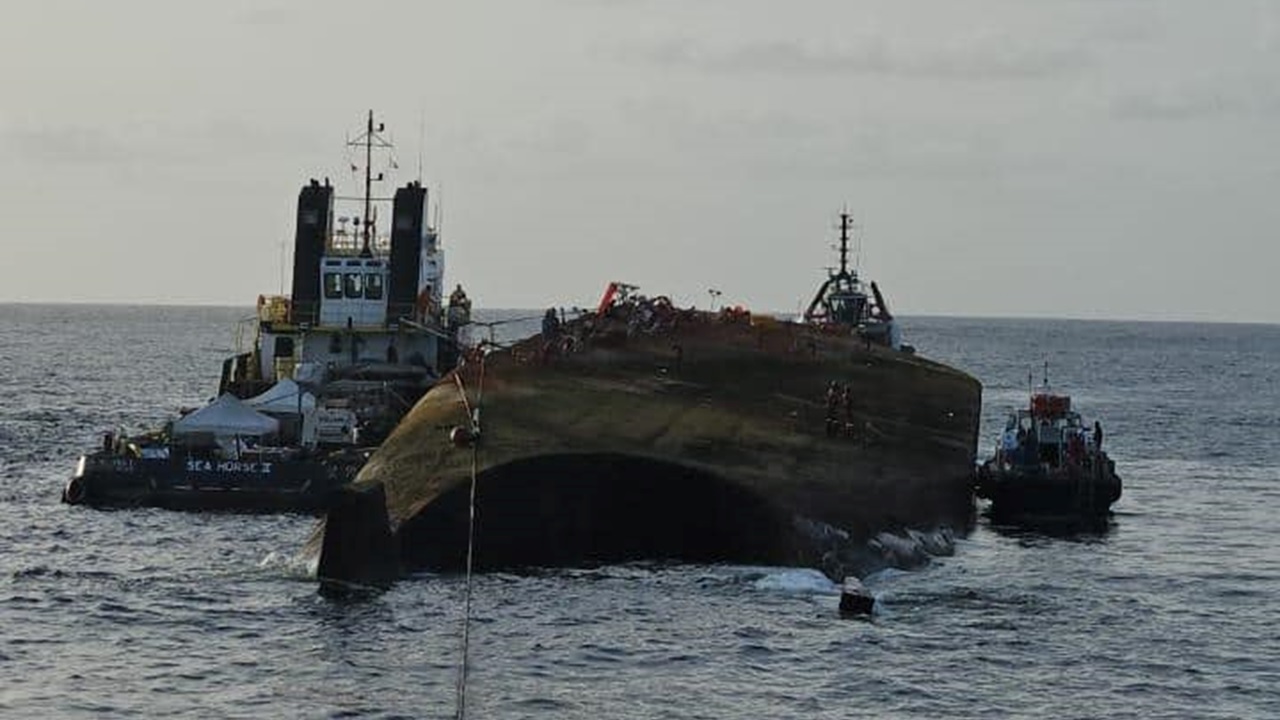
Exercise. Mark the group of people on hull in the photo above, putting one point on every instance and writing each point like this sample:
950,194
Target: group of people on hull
839,419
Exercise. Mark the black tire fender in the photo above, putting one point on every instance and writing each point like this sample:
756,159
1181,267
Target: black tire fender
73,493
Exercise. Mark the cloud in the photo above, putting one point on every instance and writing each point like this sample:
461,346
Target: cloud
116,143
1171,105
1198,99
66,145
269,16
986,58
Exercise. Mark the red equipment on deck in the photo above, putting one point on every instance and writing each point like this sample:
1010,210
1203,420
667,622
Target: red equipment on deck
1050,406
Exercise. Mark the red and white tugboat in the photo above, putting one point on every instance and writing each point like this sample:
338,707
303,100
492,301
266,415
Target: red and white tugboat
1049,464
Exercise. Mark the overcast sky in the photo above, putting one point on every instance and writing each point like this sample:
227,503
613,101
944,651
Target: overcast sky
1081,158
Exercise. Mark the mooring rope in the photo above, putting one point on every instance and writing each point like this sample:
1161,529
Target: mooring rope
473,415
506,321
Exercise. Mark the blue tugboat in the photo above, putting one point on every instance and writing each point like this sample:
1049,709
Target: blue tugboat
1049,465
331,370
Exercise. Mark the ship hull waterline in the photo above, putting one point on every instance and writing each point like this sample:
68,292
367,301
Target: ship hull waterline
109,480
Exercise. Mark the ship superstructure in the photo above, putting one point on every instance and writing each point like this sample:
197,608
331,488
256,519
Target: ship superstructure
365,323
329,373
845,302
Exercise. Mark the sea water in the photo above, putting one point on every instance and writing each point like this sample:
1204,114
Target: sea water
1170,611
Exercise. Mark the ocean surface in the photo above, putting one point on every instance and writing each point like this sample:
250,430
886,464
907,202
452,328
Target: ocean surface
1170,612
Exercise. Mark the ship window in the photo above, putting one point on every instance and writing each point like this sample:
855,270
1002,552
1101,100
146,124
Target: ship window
332,285
373,286
353,285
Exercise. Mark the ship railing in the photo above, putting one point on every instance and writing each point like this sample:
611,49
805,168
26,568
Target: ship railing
421,327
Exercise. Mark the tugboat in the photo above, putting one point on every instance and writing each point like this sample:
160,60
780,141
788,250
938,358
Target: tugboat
331,370
843,301
1049,465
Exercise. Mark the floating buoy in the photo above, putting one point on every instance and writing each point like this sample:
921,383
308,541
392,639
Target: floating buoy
855,599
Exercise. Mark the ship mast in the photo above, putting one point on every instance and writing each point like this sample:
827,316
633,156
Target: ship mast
845,223
368,182
368,140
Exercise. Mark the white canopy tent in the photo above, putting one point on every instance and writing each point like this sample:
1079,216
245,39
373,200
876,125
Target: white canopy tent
227,416
285,396
286,399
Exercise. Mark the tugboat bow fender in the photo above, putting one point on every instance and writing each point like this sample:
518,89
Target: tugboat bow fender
73,493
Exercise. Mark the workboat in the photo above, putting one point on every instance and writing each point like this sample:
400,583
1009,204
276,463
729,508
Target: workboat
1049,465
329,372
845,303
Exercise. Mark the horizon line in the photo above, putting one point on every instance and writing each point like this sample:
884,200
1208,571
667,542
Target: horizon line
775,313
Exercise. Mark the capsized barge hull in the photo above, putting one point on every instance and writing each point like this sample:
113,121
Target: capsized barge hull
709,438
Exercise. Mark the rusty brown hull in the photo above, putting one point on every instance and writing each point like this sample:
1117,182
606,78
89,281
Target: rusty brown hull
703,442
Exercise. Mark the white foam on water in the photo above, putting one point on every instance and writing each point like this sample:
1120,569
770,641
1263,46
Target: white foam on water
883,575
297,566
800,581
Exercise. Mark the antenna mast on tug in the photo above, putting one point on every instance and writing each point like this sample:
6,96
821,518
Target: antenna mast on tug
368,140
845,224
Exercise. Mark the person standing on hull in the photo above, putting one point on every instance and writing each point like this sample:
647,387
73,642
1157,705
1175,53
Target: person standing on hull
833,407
846,403
550,333
459,312
1031,447
459,306
550,325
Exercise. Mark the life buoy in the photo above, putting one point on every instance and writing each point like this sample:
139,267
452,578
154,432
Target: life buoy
73,493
